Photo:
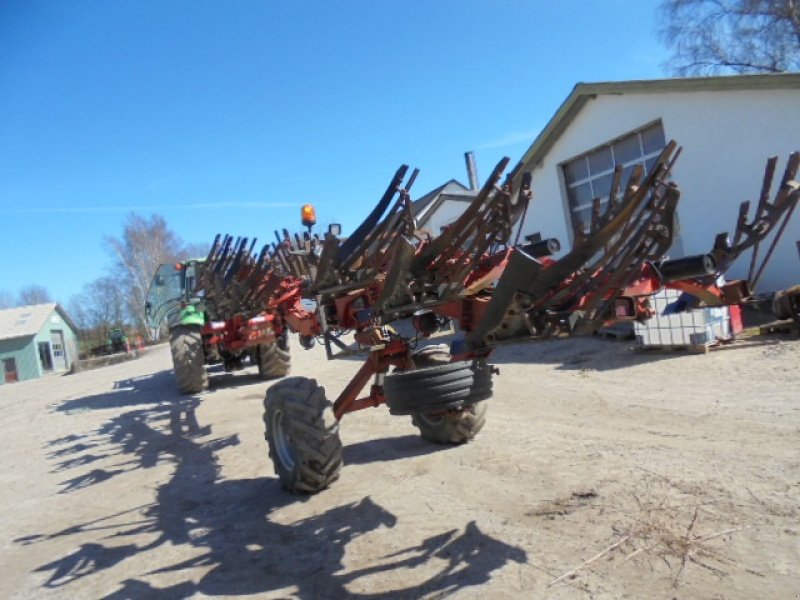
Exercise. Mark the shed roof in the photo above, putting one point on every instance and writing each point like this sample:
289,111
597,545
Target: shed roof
583,92
24,321
424,207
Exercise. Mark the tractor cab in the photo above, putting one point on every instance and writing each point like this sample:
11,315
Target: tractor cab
171,292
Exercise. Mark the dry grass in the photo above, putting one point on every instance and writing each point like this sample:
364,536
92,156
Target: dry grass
669,523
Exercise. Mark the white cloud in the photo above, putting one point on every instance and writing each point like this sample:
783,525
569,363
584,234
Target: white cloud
511,138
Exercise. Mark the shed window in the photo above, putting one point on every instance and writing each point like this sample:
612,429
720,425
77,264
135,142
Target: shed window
589,176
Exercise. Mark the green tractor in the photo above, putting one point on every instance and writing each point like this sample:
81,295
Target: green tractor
200,335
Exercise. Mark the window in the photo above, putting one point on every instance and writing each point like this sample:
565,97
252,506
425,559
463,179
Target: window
589,176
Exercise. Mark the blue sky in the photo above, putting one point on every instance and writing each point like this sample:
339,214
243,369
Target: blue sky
228,116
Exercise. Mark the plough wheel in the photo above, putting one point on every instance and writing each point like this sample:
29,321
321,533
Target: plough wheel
188,359
273,360
438,388
303,435
454,427
460,423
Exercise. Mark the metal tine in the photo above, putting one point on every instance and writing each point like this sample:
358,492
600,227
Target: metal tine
519,211
485,231
763,199
292,259
397,221
786,192
225,247
463,230
325,266
278,255
235,263
440,244
495,224
595,215
395,224
302,260
288,238
635,187
631,257
229,256
219,269
366,246
214,248
639,222
355,240
256,273
411,180
616,180
621,251
632,206
493,218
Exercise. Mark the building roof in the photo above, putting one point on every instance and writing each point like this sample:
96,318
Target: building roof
24,321
583,92
423,208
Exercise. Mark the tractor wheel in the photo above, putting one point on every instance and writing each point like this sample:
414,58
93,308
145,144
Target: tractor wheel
188,359
442,387
452,427
273,360
303,435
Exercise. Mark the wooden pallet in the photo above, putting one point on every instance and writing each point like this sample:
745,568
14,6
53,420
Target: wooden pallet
788,326
621,331
686,348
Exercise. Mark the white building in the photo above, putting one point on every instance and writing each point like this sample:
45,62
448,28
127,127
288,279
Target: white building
442,206
727,126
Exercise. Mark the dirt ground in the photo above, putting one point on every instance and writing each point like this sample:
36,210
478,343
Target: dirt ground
600,473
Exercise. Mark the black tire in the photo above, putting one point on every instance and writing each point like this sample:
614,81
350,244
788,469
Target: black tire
188,359
430,356
786,303
453,427
273,361
442,387
303,435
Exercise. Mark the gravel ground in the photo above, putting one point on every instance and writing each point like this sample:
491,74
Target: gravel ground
600,473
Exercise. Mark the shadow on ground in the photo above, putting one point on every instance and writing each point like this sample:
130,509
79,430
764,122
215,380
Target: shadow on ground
231,544
597,353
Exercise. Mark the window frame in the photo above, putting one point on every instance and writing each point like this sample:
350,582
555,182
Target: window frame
591,178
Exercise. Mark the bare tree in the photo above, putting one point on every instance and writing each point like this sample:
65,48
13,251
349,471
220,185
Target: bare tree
194,250
33,294
6,299
100,306
738,36
145,243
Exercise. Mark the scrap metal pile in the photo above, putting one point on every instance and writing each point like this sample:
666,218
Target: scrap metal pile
495,289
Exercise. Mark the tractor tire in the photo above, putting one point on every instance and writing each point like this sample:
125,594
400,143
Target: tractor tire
188,359
303,435
273,361
438,388
454,427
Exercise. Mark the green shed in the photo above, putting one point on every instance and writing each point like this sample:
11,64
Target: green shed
34,341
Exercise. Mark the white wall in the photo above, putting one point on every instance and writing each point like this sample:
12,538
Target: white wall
727,137
447,212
